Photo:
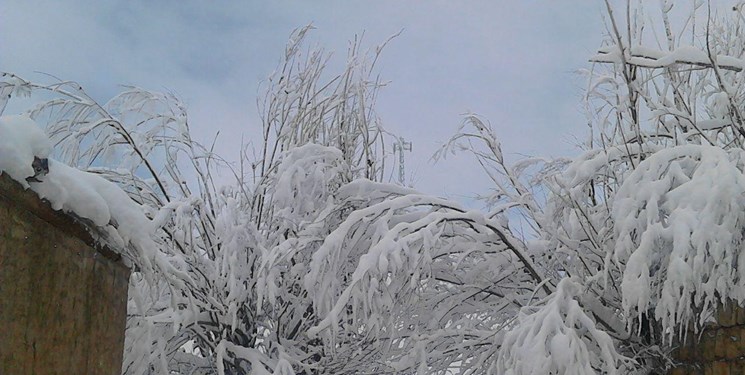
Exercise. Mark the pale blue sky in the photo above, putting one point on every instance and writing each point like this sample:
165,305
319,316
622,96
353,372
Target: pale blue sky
514,62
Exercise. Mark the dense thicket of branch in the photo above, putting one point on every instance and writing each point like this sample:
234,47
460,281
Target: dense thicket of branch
309,264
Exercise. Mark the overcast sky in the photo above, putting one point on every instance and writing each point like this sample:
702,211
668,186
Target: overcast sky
514,62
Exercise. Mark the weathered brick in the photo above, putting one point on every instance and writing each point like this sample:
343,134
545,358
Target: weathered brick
708,346
741,343
682,352
727,314
740,315
731,339
737,367
722,345
719,350
720,368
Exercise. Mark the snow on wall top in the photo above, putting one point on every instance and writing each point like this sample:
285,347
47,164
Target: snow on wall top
20,141
87,195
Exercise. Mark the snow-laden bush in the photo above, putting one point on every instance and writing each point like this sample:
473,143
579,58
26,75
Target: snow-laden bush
557,336
679,226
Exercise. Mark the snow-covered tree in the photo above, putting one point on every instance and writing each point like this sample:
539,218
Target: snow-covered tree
310,264
224,292
648,219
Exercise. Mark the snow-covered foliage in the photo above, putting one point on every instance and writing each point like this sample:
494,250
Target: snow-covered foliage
648,219
310,268
309,264
231,296
679,225
674,202
557,337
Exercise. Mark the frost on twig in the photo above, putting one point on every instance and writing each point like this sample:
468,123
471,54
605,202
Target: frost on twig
652,58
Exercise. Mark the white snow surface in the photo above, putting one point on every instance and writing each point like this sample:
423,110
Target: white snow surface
20,141
94,198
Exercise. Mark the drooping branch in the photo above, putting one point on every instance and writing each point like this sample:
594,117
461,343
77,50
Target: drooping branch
657,59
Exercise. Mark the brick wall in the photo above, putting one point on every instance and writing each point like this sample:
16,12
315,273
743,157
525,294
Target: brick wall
720,349
63,299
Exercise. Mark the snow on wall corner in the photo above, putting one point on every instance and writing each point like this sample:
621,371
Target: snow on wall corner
84,194
20,140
